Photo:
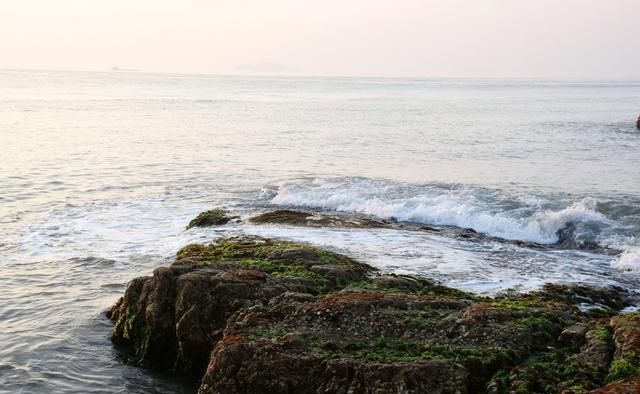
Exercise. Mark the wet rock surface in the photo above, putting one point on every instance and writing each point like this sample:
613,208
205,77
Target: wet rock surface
213,217
309,219
171,321
255,315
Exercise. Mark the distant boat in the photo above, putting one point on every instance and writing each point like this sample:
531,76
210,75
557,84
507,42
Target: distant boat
116,68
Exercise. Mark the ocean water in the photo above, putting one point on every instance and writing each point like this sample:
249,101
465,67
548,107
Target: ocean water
100,172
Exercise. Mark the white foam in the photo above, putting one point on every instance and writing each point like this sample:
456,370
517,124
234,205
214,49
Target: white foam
439,206
482,268
628,261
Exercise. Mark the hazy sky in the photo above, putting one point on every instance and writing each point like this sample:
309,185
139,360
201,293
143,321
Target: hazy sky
510,38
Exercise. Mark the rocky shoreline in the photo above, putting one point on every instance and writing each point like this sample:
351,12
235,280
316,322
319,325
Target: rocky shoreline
257,315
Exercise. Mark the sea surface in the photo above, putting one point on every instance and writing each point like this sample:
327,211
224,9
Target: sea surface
100,173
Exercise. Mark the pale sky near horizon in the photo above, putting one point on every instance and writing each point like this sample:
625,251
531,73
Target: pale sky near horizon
428,38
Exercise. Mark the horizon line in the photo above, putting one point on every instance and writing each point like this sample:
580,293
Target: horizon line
310,75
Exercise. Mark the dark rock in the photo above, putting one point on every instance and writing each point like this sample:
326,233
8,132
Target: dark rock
171,321
398,282
213,217
429,228
572,236
285,216
597,348
631,386
626,364
338,345
144,319
574,335
380,341
300,218
626,334
609,299
255,315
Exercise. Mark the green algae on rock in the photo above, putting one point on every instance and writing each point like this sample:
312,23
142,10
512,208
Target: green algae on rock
213,217
171,320
308,219
339,338
327,269
256,315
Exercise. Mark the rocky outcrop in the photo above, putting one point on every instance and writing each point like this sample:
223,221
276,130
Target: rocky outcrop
624,371
213,217
631,386
171,320
360,340
254,315
306,219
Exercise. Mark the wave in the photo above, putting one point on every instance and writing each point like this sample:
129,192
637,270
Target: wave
628,261
538,219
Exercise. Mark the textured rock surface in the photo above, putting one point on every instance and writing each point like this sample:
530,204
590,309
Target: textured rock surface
254,315
631,386
171,321
300,218
213,217
370,341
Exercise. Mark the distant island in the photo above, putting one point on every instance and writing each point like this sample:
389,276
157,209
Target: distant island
116,68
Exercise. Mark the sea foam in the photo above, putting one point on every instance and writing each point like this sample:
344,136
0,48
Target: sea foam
466,207
628,261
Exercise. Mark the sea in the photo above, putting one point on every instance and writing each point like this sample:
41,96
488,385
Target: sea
101,171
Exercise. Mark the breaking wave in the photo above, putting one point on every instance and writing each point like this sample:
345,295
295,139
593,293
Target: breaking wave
530,218
628,261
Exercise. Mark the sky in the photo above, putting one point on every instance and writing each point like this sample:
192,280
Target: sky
404,38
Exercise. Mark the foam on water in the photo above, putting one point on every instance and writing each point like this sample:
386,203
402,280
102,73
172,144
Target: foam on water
485,268
629,261
463,207
529,218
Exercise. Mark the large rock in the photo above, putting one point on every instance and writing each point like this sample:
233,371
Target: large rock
213,217
624,371
254,315
172,320
307,219
377,342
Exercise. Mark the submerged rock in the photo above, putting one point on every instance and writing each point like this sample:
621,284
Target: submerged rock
300,218
213,217
255,315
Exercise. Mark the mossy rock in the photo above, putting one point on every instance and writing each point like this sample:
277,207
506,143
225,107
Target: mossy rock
213,217
608,300
280,259
392,283
623,369
626,336
309,219
364,329
271,316
553,372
